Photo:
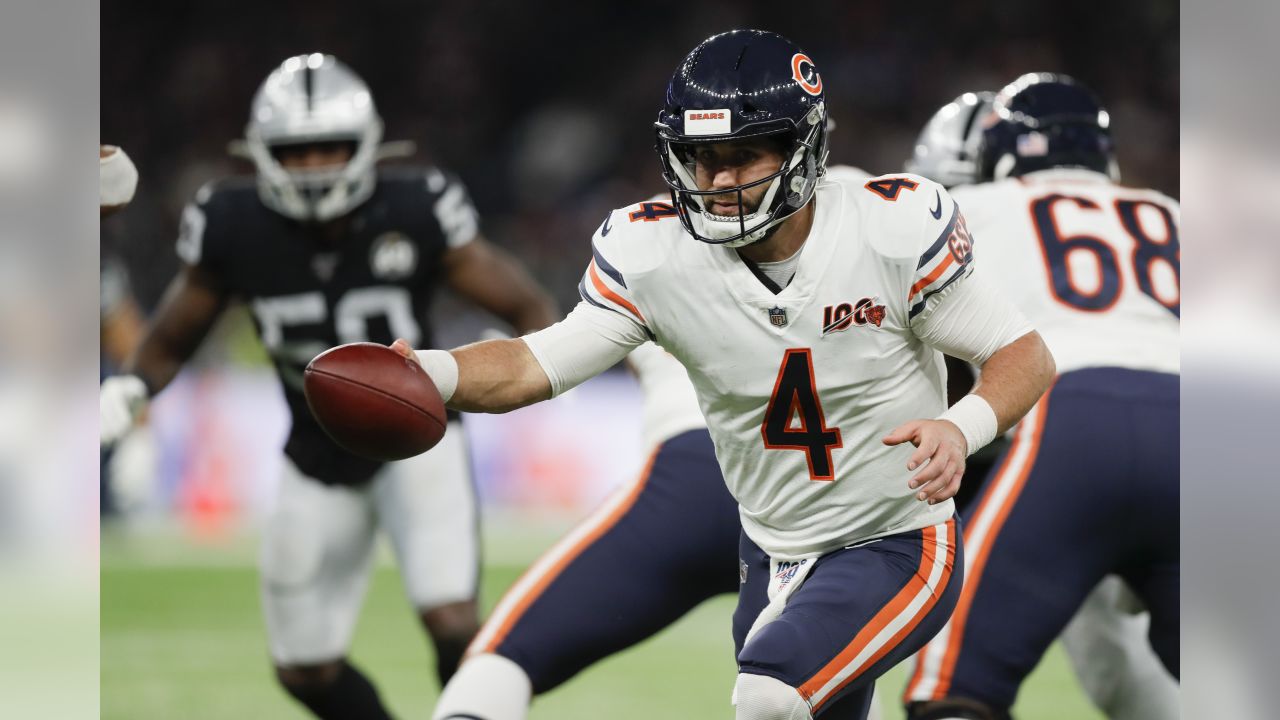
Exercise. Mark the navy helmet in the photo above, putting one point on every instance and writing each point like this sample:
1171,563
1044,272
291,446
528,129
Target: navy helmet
1044,120
736,85
948,147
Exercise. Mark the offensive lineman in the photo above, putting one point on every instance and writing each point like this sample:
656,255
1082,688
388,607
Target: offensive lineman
327,249
1107,639
809,314
1053,521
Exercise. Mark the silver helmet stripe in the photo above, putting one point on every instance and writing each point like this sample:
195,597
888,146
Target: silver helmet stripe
307,77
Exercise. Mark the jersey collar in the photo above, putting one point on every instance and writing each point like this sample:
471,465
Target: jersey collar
815,257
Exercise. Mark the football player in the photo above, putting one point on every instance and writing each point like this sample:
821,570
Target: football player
1096,267
1107,639
325,248
658,549
810,315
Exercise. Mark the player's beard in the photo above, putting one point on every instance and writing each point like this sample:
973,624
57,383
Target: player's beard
726,206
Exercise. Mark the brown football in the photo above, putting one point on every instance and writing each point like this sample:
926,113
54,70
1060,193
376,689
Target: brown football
374,402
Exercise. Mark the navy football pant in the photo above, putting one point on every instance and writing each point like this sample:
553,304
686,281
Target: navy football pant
860,611
1088,487
655,551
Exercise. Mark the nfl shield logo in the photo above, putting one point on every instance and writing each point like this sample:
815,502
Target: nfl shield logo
777,316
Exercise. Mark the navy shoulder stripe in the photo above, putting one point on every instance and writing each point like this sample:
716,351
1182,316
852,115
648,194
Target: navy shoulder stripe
606,268
941,242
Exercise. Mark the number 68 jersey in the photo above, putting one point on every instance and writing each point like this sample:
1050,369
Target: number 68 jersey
799,387
1095,264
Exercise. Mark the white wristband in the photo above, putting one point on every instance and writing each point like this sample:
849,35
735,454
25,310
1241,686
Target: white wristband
442,368
976,420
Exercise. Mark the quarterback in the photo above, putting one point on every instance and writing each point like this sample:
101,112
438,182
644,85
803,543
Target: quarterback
810,314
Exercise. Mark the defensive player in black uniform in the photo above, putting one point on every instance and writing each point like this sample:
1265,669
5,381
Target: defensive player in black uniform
325,249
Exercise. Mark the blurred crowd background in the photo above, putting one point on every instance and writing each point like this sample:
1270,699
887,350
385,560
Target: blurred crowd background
546,109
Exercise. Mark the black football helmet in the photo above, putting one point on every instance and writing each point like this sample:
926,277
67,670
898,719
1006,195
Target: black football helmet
736,85
1044,120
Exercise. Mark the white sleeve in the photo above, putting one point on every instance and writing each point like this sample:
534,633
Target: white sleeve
587,342
970,320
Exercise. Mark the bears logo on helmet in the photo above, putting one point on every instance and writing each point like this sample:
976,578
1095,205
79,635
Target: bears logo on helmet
806,74
733,86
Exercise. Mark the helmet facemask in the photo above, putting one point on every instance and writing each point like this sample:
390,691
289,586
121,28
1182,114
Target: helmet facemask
318,194
789,189
314,100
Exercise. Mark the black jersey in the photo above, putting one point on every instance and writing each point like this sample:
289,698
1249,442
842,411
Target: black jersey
308,292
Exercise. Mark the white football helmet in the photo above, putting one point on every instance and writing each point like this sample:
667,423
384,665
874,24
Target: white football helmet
947,150
310,99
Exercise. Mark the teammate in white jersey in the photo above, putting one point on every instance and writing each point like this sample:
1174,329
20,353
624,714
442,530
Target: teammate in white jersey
810,315
1089,484
1107,639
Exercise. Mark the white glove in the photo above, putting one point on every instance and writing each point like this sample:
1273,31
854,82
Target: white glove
119,403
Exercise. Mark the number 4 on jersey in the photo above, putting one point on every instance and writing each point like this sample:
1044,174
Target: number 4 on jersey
653,211
795,396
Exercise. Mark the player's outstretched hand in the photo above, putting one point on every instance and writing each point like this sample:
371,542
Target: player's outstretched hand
403,347
940,449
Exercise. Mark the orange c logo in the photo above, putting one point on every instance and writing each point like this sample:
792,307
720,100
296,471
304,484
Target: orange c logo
805,73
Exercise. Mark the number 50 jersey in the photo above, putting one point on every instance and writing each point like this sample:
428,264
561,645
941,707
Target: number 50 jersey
367,276
799,387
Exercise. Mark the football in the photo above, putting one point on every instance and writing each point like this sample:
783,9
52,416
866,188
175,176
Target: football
374,402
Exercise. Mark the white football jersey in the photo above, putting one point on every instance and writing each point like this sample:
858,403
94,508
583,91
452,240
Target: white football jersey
798,388
1093,264
670,405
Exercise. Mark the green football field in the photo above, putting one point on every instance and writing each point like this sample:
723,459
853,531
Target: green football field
182,637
